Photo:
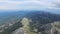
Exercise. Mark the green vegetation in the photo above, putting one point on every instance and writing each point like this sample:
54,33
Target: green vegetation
12,28
32,22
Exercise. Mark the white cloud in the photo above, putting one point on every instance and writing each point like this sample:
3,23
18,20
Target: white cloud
3,0
19,4
3,7
57,1
52,4
28,4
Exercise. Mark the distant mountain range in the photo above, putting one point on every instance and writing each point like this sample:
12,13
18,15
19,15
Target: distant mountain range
41,20
42,14
13,16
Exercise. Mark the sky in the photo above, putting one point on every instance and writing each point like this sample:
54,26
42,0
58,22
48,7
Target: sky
29,4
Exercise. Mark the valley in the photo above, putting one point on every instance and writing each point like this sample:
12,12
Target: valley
29,22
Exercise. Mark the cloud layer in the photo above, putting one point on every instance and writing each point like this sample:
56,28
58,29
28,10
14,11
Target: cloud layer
29,4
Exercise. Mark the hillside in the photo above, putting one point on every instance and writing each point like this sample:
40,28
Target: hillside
33,21
11,17
42,20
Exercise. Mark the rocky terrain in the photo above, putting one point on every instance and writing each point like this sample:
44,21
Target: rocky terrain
30,22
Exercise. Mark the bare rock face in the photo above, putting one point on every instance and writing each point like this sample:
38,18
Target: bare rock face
55,28
18,31
25,21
